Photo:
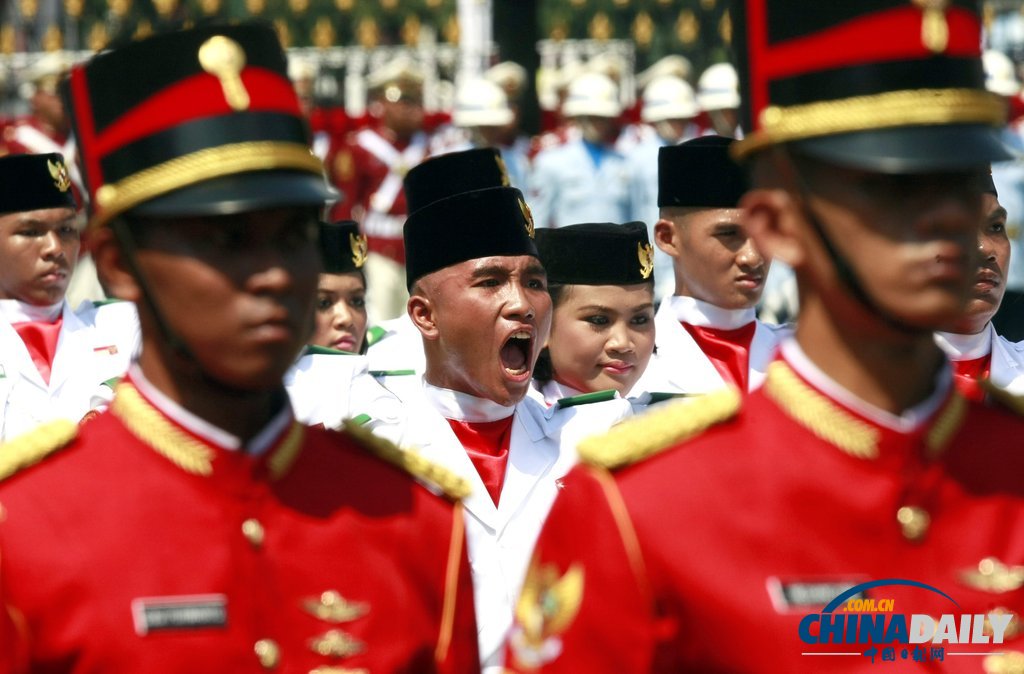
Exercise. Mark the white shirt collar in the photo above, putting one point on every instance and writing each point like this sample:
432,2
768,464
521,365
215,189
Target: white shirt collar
697,312
16,311
906,422
260,443
966,347
464,407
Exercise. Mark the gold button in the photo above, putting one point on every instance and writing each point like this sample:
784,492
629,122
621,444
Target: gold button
253,532
267,652
914,521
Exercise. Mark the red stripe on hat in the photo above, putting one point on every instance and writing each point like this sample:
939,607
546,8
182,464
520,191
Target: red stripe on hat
757,54
85,129
892,35
268,92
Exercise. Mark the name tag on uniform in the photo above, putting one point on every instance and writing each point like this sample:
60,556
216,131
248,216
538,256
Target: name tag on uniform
799,595
190,612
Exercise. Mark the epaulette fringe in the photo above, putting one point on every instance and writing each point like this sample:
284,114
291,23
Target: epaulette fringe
410,461
667,425
32,447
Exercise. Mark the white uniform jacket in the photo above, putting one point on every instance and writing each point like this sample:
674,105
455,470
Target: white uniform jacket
566,187
399,347
501,538
1006,369
95,344
680,366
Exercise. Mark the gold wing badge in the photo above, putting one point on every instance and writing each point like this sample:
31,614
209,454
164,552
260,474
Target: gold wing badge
645,253
59,173
360,247
547,607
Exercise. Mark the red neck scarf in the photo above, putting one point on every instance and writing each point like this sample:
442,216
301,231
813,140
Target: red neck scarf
40,339
728,350
487,444
967,375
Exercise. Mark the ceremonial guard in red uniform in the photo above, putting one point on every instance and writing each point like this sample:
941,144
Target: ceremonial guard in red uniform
196,526
718,536
368,169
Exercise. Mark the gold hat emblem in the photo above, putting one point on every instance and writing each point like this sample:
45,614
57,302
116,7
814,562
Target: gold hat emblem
547,606
224,58
360,247
505,182
934,28
991,575
528,215
331,607
59,173
645,252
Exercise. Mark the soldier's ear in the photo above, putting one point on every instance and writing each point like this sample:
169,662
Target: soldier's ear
665,237
770,217
421,311
113,272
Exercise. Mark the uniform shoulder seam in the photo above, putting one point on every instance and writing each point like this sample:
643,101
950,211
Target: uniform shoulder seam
645,435
32,447
409,460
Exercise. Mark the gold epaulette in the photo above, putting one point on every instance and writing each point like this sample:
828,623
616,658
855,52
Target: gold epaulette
1011,401
666,425
410,461
32,447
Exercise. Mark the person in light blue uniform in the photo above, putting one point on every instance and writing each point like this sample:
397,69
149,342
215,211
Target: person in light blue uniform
586,179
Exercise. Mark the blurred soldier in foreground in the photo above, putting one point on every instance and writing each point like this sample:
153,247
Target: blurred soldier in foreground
854,466
197,526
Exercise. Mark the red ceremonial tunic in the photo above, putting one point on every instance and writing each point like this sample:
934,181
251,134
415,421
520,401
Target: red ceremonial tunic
706,556
141,547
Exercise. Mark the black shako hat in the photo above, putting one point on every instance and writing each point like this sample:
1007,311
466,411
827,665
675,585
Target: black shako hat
342,247
891,86
598,253
453,173
700,173
194,122
30,182
483,223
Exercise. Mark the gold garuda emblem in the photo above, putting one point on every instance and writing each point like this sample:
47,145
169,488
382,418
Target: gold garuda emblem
59,173
505,182
549,603
359,246
528,215
645,253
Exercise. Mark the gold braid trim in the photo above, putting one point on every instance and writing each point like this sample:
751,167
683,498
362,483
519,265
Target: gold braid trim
32,447
451,584
820,415
148,425
915,107
946,424
410,461
116,198
286,453
669,424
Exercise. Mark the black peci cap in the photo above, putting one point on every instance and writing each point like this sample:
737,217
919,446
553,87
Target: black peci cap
31,182
342,247
599,253
700,173
194,122
467,226
891,86
448,174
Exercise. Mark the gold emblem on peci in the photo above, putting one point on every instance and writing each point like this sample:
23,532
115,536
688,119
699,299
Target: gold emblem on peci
934,27
645,253
360,247
505,182
528,215
224,58
59,173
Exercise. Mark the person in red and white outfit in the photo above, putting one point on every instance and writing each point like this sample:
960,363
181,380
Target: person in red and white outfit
707,333
53,360
479,301
368,169
972,344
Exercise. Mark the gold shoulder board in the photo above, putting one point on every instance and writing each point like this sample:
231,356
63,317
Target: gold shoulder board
1011,401
32,447
666,425
409,460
